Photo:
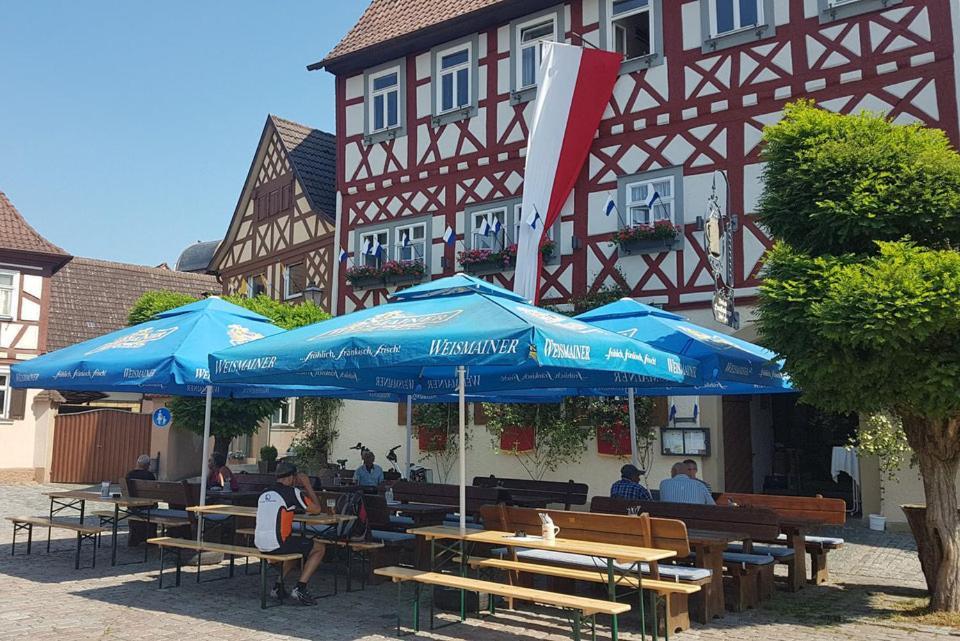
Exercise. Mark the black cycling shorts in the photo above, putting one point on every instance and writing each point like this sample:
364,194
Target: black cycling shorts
294,545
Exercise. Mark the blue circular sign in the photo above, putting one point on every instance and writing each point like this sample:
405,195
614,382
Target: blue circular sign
162,417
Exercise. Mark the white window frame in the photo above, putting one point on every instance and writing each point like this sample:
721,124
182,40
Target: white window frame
440,72
250,281
14,294
831,10
372,95
287,294
498,244
398,243
736,18
661,202
7,393
612,27
538,43
365,258
289,405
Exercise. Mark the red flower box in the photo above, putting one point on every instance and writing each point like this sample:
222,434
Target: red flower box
613,440
431,440
517,438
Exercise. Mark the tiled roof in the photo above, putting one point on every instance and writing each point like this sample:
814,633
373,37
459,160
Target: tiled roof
389,19
16,234
313,154
92,297
196,258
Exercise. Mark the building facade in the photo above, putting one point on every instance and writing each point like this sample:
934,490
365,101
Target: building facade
432,116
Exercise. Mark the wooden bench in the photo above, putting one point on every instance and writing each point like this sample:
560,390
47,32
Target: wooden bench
443,494
567,493
231,551
84,533
798,515
662,534
749,570
580,606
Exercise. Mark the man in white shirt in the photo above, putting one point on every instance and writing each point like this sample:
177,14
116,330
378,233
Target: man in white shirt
680,488
369,474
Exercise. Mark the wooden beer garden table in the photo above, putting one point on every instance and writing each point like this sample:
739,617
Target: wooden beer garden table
77,499
708,547
251,512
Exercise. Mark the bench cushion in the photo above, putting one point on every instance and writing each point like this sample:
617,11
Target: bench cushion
168,513
823,540
404,521
676,572
456,523
777,552
391,537
747,559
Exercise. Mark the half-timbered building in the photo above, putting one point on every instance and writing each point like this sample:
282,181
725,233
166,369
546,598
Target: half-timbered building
27,263
280,239
432,114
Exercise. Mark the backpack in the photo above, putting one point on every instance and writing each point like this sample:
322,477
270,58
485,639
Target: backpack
351,504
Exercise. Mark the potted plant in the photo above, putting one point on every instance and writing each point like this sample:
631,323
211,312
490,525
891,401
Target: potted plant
268,459
364,276
397,272
658,237
548,249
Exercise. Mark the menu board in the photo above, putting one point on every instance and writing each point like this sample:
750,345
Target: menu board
685,441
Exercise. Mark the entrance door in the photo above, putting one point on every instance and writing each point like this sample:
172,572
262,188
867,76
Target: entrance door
737,446
99,445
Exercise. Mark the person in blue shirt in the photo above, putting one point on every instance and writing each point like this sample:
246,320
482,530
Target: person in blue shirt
629,487
369,474
680,488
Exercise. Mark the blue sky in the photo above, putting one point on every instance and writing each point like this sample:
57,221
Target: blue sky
127,128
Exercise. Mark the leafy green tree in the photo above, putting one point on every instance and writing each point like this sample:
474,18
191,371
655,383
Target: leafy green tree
229,418
441,421
559,437
316,423
861,293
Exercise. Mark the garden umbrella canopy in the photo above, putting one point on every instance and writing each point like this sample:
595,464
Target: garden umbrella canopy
728,365
414,345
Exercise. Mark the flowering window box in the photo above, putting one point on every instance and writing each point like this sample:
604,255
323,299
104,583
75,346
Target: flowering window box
402,273
485,261
662,236
364,276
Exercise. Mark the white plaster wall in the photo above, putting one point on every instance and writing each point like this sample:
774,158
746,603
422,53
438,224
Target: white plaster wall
20,438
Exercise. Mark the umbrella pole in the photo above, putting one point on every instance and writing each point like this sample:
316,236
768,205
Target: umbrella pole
208,408
407,462
634,456
461,443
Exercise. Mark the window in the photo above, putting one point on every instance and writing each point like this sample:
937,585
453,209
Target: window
453,73
489,229
8,294
733,15
294,280
256,285
649,201
283,415
411,243
384,96
530,38
5,394
374,247
274,197
840,9
632,28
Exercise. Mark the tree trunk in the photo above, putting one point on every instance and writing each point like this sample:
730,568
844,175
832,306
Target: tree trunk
221,444
936,446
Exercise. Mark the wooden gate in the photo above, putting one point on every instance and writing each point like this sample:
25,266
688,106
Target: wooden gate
737,445
99,445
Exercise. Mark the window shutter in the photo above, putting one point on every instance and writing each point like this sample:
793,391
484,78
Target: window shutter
479,416
401,413
18,404
660,413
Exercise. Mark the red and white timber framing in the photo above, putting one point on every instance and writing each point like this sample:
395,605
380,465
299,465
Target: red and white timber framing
701,111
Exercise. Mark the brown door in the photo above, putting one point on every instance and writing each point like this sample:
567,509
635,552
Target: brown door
99,445
737,447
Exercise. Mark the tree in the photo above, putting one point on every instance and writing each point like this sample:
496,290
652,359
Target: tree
861,293
229,418
559,438
316,423
441,423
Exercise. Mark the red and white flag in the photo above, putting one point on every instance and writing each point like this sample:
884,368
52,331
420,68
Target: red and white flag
574,87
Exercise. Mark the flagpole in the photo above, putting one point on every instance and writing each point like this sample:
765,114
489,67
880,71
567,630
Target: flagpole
634,455
407,458
462,445
207,411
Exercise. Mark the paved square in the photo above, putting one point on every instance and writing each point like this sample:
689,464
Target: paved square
43,598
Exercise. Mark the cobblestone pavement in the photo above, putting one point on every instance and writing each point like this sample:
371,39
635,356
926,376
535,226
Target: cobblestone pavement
43,598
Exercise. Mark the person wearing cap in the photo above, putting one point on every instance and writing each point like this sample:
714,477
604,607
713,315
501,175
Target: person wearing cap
274,529
629,487
140,531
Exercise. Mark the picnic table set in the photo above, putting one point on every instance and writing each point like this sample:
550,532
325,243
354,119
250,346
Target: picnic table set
450,340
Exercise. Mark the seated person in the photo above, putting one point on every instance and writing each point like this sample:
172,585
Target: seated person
274,529
629,487
140,531
680,488
692,471
218,474
369,474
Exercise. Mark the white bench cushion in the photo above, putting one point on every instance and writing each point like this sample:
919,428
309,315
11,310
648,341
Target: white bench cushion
747,559
777,552
677,572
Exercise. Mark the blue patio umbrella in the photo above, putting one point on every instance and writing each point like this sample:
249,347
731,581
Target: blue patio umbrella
429,337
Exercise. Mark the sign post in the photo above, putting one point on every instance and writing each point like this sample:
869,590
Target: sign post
718,239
